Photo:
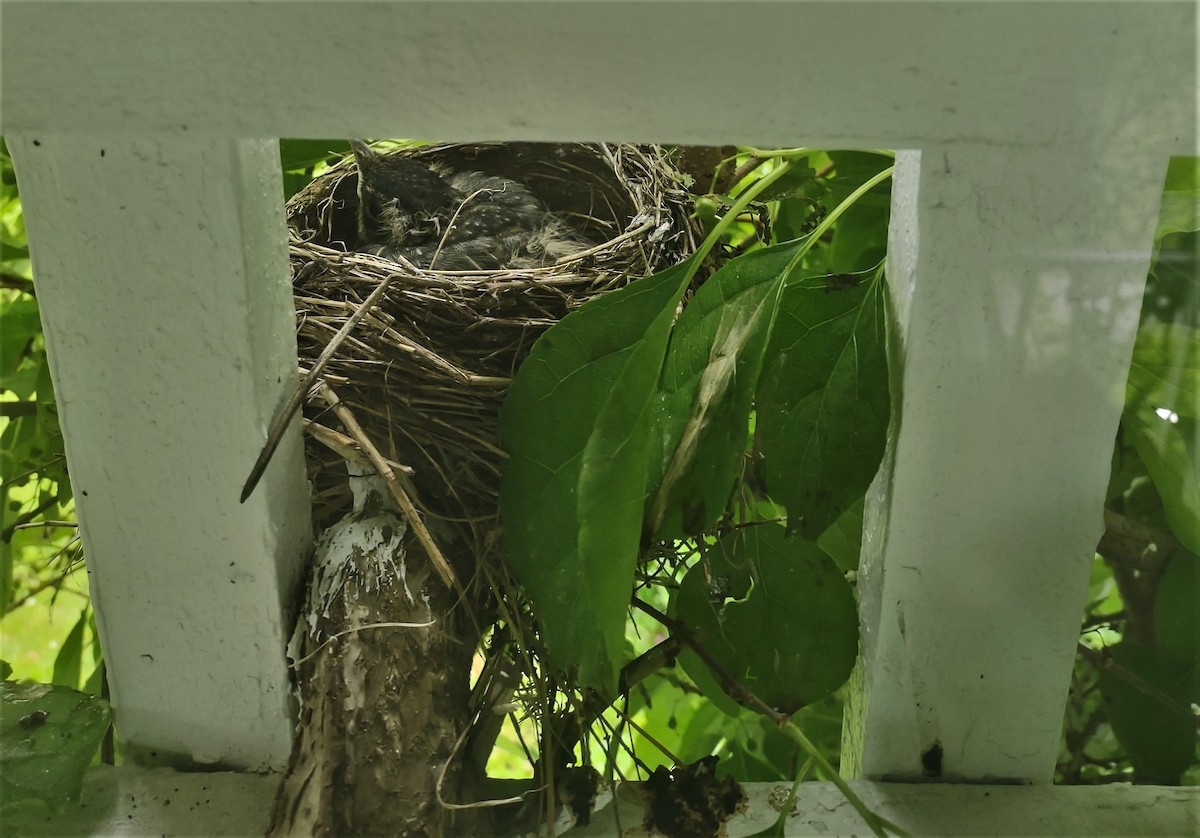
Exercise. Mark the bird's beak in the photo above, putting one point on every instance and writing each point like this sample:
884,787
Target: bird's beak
363,154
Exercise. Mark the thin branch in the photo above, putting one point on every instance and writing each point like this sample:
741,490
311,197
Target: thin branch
280,423
16,409
333,637
1137,555
12,282
1104,662
384,470
7,533
743,695
53,582
1131,543
751,163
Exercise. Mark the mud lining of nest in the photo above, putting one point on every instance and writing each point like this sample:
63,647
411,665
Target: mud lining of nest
426,369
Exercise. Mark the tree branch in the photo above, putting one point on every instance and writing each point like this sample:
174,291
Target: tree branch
743,695
1137,554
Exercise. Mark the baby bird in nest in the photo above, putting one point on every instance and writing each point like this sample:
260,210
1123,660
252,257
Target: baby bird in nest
453,221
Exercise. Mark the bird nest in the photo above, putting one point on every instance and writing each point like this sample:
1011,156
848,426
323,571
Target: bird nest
426,366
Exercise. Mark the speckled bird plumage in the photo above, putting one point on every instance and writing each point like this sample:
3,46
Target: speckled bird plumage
453,221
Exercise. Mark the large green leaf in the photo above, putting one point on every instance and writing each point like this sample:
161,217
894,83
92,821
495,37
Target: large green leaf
68,663
843,540
1181,198
20,323
823,403
1172,467
859,240
48,737
775,613
1159,735
576,429
707,390
1176,615
301,154
1165,372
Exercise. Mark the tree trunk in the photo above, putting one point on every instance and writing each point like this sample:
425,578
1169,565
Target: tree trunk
383,706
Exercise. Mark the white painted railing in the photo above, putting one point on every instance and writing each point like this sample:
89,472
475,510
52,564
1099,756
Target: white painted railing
1022,225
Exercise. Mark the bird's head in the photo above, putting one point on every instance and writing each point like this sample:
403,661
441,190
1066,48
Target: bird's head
392,188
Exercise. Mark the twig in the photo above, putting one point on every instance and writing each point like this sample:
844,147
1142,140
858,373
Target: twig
324,643
7,533
742,694
385,471
1104,662
345,447
1137,555
12,282
283,417
53,582
752,162
480,804
21,408
33,525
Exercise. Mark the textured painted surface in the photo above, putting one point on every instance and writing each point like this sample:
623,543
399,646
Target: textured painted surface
891,74
950,810
130,801
1018,282
166,305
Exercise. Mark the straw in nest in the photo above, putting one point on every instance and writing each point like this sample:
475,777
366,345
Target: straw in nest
425,370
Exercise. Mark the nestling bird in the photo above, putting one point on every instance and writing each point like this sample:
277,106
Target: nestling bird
453,221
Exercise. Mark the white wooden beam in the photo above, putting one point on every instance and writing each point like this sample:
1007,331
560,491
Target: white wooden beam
1017,279
834,74
163,283
130,801
1049,811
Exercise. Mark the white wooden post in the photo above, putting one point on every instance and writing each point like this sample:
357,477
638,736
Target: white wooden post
1017,280
164,290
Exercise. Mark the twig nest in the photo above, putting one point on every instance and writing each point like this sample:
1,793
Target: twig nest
426,370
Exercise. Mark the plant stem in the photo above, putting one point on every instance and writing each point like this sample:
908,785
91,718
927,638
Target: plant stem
743,695
739,206
827,222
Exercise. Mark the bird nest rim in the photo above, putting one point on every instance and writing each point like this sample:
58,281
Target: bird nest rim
636,186
422,328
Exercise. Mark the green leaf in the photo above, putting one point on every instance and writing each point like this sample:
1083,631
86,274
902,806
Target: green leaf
1176,617
6,561
843,540
576,427
1180,211
49,432
781,618
301,154
707,389
1171,284
5,670
68,664
797,182
1159,736
860,238
1165,372
20,323
851,170
16,446
823,402
48,737
1172,467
